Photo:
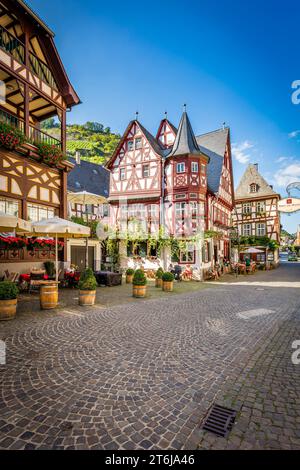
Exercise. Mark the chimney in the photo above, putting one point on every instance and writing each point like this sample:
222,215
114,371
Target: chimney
77,157
256,166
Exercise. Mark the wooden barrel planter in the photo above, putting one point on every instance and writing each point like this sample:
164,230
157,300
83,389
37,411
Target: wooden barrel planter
129,278
158,283
139,291
49,296
87,297
8,309
168,286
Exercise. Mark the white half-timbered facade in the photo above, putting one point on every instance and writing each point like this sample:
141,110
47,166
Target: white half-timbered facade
256,213
176,184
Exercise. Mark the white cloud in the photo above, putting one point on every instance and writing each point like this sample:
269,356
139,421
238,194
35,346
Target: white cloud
294,134
241,151
283,159
287,175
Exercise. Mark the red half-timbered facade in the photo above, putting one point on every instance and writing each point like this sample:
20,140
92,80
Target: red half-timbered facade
176,184
33,87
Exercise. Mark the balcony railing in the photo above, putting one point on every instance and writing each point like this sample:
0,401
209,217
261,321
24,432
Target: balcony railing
35,135
16,48
12,45
41,137
11,120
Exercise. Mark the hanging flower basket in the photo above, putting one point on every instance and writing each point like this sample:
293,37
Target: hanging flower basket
50,154
10,137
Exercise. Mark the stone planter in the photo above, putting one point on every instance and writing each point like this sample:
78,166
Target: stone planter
87,297
8,309
129,278
158,283
139,291
168,286
49,296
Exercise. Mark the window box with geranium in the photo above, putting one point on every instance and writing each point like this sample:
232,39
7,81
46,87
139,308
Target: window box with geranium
43,244
12,243
50,154
11,137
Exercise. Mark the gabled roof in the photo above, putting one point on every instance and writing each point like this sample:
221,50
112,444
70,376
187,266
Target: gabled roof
214,144
251,176
90,177
46,36
185,142
151,139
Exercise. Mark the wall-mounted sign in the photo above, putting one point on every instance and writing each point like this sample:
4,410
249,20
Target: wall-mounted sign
289,204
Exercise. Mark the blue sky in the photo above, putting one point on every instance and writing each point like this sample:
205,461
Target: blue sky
230,61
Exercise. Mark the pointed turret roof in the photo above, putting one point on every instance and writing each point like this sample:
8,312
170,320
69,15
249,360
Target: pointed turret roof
252,176
185,142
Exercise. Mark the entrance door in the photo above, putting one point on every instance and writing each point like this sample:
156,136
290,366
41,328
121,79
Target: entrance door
78,256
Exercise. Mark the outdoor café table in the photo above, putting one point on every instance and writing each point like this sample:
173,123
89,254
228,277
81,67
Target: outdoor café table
107,278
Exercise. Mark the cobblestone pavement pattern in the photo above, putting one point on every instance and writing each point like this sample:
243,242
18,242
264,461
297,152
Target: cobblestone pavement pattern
143,375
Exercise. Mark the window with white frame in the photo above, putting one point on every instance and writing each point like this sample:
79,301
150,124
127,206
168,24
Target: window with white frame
203,168
146,171
247,208
130,145
253,188
36,212
246,230
260,207
153,210
138,143
188,255
180,209
195,167
261,230
9,206
122,174
180,167
124,211
194,209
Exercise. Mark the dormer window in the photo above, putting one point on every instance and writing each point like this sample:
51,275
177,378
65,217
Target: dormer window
180,168
253,188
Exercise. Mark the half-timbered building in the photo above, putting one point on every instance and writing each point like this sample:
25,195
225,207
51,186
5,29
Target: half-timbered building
256,214
33,87
177,185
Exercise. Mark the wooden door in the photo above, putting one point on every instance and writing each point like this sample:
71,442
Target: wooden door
78,257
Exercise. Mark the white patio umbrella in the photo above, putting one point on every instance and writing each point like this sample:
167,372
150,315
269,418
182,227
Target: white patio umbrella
85,198
252,251
10,223
59,228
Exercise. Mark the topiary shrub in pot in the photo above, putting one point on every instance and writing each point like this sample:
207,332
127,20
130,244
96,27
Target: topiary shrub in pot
139,284
8,300
129,275
168,282
158,277
87,287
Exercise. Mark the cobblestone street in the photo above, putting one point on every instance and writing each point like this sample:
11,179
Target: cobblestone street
143,375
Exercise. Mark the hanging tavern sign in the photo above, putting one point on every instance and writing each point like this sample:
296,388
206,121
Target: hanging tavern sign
290,204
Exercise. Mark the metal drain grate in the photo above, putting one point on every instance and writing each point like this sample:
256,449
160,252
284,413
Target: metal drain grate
219,420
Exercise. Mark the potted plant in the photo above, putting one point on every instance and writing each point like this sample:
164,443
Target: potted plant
87,287
8,300
168,282
50,269
129,275
139,283
158,277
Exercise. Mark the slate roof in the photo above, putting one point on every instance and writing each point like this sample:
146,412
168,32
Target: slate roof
152,140
213,144
185,142
251,176
89,177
